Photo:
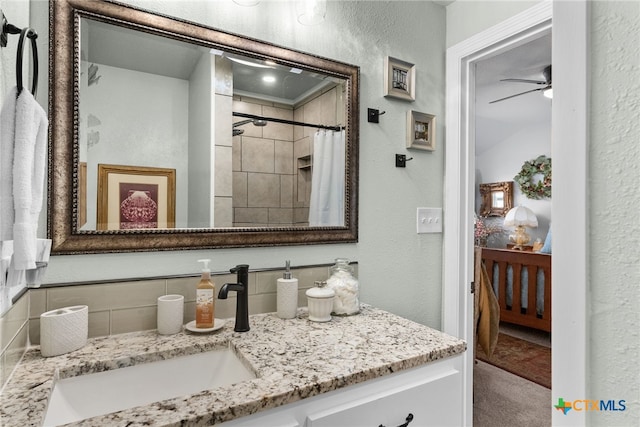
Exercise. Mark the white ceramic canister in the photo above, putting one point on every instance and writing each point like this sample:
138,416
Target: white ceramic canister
320,302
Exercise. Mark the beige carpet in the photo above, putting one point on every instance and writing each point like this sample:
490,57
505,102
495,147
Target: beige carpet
502,399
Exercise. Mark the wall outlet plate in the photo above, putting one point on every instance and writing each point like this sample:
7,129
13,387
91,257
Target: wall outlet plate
429,220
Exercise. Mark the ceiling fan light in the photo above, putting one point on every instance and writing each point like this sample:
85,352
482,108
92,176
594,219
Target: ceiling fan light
548,93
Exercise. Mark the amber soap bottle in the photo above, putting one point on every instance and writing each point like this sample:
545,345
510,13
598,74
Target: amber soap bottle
205,302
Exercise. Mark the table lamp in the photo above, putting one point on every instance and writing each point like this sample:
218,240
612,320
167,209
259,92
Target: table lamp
520,217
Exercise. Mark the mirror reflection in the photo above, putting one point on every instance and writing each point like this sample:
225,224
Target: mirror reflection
497,199
167,134
176,135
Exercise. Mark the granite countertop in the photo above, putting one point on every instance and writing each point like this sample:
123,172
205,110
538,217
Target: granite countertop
294,359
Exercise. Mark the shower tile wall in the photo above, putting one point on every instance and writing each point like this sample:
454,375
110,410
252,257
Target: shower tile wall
263,169
223,202
272,164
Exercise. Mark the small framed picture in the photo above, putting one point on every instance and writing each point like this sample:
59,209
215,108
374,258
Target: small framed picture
399,79
421,131
135,197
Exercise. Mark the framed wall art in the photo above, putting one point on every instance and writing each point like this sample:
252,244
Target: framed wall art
135,197
399,79
421,132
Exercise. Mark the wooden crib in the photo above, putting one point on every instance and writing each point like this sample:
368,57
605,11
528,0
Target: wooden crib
507,270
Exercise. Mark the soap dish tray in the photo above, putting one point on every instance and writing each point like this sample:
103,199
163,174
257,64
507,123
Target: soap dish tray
217,324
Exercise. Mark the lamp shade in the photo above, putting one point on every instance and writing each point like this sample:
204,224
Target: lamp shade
520,215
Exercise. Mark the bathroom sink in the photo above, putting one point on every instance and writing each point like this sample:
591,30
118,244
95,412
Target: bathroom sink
86,396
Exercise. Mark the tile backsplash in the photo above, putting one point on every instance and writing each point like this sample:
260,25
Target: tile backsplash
14,327
116,308
129,306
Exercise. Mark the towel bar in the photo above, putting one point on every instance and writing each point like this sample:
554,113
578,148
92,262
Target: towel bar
29,33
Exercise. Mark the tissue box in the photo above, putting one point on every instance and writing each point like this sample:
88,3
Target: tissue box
63,330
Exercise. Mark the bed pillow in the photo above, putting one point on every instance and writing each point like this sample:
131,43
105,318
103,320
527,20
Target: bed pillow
546,248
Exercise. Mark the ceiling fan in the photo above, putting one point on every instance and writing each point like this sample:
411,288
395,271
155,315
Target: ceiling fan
545,86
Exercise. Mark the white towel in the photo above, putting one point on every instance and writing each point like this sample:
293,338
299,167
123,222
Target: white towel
29,158
7,131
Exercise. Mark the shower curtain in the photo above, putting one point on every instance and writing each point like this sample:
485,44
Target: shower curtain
327,179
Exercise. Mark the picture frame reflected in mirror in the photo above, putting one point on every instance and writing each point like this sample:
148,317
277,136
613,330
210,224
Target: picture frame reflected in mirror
136,197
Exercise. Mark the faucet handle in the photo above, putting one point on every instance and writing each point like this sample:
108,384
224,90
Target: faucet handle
240,267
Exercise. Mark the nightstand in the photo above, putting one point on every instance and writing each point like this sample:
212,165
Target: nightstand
526,248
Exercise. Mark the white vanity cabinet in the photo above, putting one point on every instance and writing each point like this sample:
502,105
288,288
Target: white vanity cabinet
432,393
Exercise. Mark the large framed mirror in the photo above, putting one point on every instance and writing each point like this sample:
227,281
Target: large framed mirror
497,198
167,134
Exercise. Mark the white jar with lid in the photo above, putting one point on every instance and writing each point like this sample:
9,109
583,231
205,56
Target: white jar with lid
320,302
345,285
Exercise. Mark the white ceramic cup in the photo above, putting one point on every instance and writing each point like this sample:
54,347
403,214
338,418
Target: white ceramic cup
170,314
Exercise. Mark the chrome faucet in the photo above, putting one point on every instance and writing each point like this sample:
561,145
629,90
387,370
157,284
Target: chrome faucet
242,301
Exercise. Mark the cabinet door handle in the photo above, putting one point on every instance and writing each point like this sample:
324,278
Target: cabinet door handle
408,420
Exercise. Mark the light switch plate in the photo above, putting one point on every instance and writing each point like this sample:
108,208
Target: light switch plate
429,220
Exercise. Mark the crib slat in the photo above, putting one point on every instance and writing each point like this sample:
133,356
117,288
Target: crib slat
532,291
518,260
517,287
502,284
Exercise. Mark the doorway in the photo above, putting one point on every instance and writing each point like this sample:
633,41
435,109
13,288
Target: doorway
570,124
512,125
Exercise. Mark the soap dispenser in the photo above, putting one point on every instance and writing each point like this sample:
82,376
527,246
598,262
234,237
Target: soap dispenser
204,298
287,295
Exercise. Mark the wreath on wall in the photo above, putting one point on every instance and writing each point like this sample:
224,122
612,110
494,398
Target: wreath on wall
539,189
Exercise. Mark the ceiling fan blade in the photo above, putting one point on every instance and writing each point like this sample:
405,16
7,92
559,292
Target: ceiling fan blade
517,94
537,82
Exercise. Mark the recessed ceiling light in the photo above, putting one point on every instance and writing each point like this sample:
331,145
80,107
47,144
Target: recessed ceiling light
268,79
249,63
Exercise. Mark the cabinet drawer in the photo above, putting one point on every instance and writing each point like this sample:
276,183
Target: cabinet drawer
431,401
432,393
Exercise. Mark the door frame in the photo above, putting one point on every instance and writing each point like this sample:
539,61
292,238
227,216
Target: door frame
570,127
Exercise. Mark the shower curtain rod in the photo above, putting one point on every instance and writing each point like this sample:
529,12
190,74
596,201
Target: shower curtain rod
288,122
